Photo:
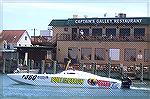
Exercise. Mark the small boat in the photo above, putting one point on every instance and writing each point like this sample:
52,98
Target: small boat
70,78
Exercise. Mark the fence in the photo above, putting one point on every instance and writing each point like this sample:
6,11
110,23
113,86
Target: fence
106,70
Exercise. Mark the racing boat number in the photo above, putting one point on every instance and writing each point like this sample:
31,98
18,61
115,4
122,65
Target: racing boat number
29,77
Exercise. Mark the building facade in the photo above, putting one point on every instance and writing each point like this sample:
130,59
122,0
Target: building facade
9,41
13,38
121,40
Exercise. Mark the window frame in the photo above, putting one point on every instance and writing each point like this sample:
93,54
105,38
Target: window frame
138,32
102,58
111,33
95,32
127,55
122,32
89,56
26,38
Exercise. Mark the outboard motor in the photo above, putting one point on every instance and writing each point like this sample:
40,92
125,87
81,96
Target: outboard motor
126,82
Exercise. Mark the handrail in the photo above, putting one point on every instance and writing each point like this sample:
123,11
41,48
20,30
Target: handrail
67,37
49,40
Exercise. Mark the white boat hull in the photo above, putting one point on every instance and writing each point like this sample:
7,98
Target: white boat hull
79,79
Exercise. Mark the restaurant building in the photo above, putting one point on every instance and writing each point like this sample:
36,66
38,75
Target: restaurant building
123,41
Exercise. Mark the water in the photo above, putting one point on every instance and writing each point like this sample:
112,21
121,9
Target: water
12,90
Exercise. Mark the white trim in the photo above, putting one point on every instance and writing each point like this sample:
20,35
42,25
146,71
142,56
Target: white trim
7,50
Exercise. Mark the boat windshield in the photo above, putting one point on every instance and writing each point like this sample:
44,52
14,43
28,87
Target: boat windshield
70,73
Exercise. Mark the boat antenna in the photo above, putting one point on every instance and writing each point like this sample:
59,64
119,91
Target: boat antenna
68,64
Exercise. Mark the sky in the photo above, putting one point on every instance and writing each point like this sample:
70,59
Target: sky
30,14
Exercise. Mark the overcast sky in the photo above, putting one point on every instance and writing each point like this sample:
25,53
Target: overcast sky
29,14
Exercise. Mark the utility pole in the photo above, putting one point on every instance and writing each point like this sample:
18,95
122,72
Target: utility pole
34,33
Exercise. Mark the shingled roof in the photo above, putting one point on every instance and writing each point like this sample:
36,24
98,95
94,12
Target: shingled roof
12,36
58,22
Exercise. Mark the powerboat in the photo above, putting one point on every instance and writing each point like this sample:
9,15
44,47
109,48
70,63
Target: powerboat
70,78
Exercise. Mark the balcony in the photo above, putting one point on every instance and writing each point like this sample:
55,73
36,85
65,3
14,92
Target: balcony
49,40
67,37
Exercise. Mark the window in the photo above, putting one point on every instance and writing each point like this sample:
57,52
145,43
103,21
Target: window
99,54
85,31
86,53
4,46
96,32
124,32
110,31
139,32
25,37
146,55
65,29
73,53
8,46
74,33
114,54
130,54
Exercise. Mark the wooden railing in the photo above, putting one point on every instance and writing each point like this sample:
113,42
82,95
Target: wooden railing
43,40
49,40
67,37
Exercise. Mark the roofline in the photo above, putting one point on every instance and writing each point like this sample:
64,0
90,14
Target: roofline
72,19
98,18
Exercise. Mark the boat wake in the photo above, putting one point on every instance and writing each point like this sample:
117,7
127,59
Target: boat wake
140,88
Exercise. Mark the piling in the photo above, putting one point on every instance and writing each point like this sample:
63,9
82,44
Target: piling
32,64
141,78
81,67
17,59
109,67
121,70
42,67
4,64
94,68
28,66
54,65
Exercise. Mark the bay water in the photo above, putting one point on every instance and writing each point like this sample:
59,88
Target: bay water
12,90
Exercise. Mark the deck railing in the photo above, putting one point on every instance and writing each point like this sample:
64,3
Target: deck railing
68,37
43,40
48,40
